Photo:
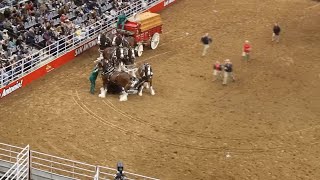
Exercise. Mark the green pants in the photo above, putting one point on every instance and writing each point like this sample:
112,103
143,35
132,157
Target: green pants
246,57
93,85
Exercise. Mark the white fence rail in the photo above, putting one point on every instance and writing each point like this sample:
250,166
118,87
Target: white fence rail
9,153
35,60
26,162
62,167
20,169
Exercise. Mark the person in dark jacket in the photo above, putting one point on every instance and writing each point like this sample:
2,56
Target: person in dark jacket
206,41
276,32
120,175
228,71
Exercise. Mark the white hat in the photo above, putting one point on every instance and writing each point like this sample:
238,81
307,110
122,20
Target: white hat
246,41
5,30
77,26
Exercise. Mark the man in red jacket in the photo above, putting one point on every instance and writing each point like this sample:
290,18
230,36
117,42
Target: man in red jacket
217,70
246,50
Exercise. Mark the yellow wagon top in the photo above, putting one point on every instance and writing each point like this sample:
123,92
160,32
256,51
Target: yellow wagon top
147,20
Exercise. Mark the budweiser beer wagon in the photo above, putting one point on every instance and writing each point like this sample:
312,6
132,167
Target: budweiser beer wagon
145,28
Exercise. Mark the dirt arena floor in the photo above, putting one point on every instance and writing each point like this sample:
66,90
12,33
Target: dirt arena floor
266,125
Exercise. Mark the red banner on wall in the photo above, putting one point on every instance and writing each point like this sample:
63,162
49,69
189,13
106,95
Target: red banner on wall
22,82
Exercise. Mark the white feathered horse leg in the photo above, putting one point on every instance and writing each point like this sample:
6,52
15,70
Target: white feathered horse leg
140,90
103,92
123,96
152,91
147,85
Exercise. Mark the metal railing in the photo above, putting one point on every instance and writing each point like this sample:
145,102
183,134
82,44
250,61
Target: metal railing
62,167
25,160
8,153
36,60
20,169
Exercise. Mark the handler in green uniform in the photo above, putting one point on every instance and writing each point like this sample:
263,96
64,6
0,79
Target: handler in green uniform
121,20
93,78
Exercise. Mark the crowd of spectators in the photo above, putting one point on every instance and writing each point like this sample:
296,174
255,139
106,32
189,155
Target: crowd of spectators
28,25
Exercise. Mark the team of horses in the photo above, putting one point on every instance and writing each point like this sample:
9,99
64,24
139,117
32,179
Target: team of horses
118,68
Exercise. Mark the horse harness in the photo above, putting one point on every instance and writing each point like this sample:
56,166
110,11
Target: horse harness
146,69
108,71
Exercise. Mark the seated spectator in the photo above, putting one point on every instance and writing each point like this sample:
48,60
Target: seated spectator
19,40
7,13
78,2
12,43
43,8
46,35
78,21
63,18
77,30
30,37
113,12
69,25
7,24
85,9
5,35
4,46
16,67
3,76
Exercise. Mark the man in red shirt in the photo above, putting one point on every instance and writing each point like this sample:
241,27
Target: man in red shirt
217,70
246,50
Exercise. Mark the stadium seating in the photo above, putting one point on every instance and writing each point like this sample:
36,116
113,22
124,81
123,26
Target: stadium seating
37,25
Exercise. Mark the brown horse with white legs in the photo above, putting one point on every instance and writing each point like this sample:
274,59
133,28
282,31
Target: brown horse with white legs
146,74
128,83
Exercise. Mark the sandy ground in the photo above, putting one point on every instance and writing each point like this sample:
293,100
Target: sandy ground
263,126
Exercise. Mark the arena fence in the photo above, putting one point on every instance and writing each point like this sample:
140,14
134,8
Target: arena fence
38,59
21,166
23,163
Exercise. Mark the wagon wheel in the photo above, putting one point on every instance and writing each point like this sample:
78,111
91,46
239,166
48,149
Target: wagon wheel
139,50
155,41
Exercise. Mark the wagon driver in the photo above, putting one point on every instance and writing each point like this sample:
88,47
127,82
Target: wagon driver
121,20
